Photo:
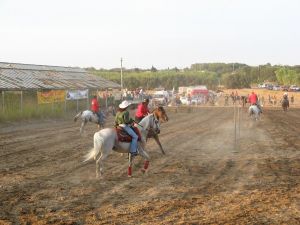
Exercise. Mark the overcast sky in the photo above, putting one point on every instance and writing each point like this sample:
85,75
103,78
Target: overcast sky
162,33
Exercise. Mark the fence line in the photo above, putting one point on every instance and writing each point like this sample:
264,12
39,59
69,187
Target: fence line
16,105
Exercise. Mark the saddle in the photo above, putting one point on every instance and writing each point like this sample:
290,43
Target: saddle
123,136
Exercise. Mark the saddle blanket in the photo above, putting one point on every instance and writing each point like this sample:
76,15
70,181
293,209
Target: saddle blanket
123,136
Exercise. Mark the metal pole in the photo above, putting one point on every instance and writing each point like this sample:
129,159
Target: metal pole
234,115
87,100
239,125
106,95
121,74
76,105
66,101
21,104
3,105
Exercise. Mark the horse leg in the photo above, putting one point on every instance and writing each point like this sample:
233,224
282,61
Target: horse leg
82,126
159,144
145,155
99,165
130,160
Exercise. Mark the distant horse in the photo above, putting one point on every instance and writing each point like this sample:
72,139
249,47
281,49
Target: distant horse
89,116
106,140
254,112
162,116
285,104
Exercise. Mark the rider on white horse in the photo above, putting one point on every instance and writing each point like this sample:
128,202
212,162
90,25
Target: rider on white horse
123,120
95,109
253,100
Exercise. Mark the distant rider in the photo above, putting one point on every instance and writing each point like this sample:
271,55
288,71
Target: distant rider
123,120
286,98
253,100
142,110
95,108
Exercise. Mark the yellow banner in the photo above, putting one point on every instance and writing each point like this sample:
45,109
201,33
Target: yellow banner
51,96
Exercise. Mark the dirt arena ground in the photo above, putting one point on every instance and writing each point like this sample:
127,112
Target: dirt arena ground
203,179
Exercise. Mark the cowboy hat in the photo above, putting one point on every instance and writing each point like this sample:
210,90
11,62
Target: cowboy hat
124,104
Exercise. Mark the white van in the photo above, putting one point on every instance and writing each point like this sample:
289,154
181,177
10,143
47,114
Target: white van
161,97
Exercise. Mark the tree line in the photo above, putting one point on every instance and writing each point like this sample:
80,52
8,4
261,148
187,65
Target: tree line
230,75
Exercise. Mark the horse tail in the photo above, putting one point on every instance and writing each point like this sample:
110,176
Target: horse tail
98,142
76,117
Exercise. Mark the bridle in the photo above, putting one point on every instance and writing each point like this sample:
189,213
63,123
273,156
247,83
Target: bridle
156,122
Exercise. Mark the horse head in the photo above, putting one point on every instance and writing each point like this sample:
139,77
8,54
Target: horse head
150,123
160,114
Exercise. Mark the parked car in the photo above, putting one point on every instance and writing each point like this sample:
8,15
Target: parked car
184,100
285,88
160,97
294,88
276,88
269,86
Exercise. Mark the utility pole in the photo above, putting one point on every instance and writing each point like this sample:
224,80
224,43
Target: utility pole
258,73
121,74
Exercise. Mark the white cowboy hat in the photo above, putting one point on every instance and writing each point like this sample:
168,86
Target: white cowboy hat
285,93
124,104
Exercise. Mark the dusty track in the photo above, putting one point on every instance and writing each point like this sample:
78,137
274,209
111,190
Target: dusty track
201,180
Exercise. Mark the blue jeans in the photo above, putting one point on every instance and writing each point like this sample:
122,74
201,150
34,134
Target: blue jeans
133,145
100,117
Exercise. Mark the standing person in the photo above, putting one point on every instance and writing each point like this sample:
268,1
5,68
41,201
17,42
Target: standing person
253,100
95,108
244,100
292,99
123,120
141,93
232,98
262,100
142,110
226,100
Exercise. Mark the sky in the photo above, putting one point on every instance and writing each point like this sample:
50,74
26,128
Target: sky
145,33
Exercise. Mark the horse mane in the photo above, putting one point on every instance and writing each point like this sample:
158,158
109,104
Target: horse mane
145,123
159,108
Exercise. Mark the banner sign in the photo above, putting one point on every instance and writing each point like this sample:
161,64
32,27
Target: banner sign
77,94
51,96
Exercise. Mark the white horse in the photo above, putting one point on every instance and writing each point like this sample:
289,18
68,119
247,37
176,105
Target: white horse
106,140
254,112
87,116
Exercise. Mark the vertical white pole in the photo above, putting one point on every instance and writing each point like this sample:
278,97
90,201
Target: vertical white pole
66,101
234,115
121,74
87,100
3,104
21,104
239,125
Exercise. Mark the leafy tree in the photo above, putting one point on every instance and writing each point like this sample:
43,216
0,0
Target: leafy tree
153,69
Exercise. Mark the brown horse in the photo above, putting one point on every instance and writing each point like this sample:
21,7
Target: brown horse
285,104
161,115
